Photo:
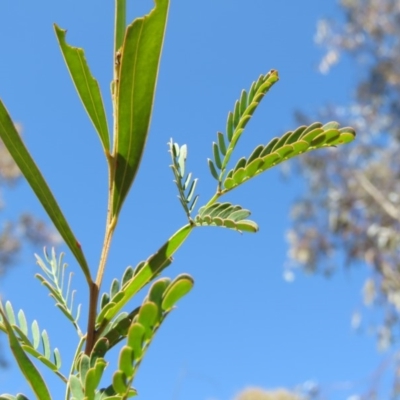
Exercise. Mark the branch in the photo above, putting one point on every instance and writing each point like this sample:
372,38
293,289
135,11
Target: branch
377,195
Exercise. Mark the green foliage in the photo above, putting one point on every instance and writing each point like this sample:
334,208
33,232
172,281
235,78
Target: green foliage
26,366
25,162
226,215
134,93
136,61
237,121
87,87
56,274
186,186
291,144
40,339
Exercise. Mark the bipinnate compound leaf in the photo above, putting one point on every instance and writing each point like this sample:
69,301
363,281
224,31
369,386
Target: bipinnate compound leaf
291,144
180,286
140,57
149,269
51,360
25,163
186,186
87,87
54,269
140,326
236,123
26,366
226,215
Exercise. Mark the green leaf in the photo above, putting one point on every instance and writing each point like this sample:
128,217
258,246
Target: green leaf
247,226
105,299
22,322
57,358
114,289
268,148
25,163
84,366
93,377
35,334
152,267
120,23
55,270
119,382
26,366
46,345
157,290
244,110
225,215
291,144
213,170
87,87
182,160
135,339
186,187
180,286
221,143
296,134
127,276
99,350
140,59
29,348
125,361
347,135
10,313
217,158
76,388
148,317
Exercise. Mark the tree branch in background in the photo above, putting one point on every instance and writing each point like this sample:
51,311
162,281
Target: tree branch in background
350,209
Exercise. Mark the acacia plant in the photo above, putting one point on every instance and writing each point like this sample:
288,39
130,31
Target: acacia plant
110,320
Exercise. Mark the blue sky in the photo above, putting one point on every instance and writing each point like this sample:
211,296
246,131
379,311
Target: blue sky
242,324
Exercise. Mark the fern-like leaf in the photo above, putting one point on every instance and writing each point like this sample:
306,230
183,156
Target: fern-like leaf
160,300
226,215
237,121
186,186
64,298
43,353
291,144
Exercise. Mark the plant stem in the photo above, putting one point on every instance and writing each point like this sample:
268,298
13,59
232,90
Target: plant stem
111,222
95,287
213,199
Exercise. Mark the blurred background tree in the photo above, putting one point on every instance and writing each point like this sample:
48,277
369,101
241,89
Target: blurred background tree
259,394
349,213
